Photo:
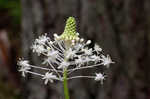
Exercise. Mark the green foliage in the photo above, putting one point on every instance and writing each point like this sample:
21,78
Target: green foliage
14,9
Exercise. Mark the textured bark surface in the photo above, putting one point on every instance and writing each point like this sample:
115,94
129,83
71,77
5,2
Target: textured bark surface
122,29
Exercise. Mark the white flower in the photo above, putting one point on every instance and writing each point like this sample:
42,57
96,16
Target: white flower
24,66
97,48
24,70
87,51
79,61
23,63
38,49
42,39
106,61
70,54
63,65
100,77
95,58
49,77
51,57
86,59
53,54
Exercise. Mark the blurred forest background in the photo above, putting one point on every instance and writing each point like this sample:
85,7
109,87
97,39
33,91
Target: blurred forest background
121,27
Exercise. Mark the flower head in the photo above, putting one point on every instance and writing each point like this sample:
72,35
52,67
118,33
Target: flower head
67,53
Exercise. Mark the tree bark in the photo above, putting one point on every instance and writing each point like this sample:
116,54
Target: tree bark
121,27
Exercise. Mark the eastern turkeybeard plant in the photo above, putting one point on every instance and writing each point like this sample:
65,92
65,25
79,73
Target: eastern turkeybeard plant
64,55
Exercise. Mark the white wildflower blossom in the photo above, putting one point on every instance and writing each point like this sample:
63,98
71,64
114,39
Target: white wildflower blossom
79,62
70,54
24,66
52,57
95,58
53,54
106,60
63,65
49,77
24,63
87,51
65,54
86,59
38,49
42,39
100,77
97,48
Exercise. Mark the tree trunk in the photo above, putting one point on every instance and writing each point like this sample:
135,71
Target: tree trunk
121,27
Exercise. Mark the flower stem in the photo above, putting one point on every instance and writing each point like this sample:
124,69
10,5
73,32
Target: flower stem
66,92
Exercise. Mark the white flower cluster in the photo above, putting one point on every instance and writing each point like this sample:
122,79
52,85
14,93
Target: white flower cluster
65,54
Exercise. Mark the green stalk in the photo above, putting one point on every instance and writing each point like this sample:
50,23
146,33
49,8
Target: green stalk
66,92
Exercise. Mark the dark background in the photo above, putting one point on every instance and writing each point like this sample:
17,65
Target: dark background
121,27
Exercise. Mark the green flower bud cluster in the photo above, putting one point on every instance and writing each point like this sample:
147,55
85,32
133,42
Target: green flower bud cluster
70,30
